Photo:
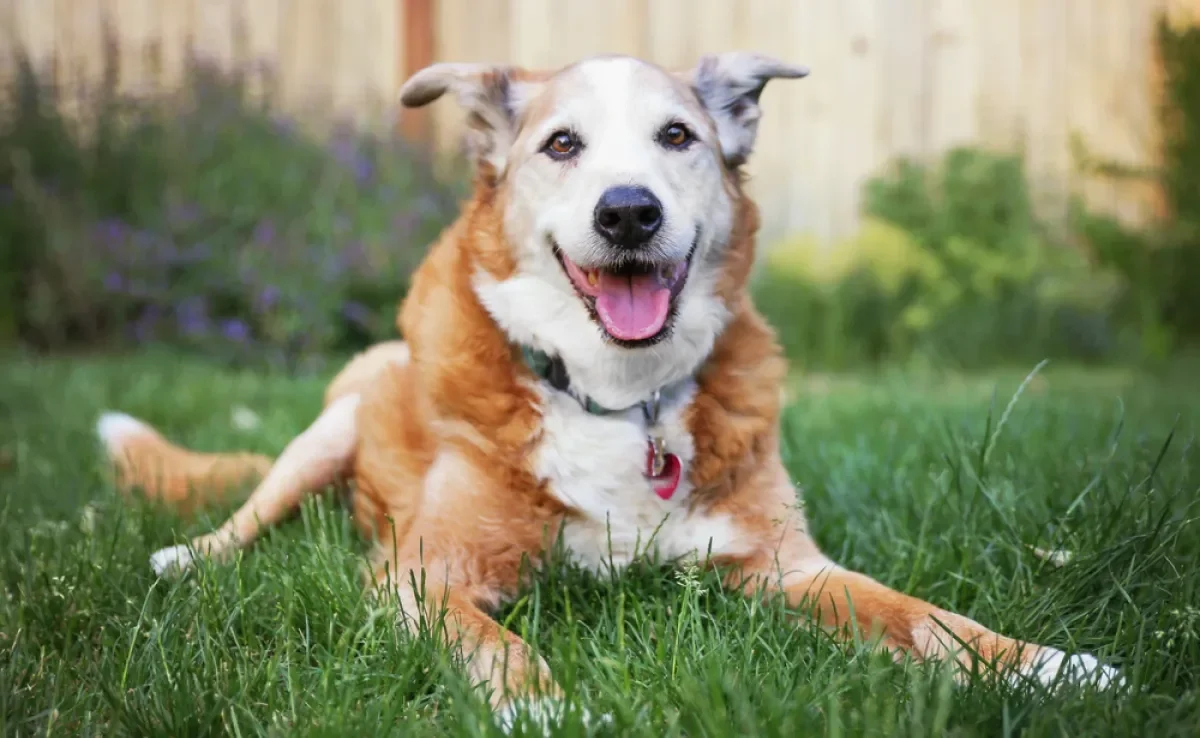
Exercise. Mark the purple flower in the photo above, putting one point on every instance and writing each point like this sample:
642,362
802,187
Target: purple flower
358,313
111,233
343,146
268,297
236,330
363,169
331,268
197,253
405,222
185,214
353,256
343,152
264,232
427,205
144,240
284,126
164,252
192,316
143,327
113,282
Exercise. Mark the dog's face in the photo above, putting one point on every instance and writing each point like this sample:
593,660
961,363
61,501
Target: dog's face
614,178
616,183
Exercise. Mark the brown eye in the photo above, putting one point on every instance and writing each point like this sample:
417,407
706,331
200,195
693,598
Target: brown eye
676,135
561,145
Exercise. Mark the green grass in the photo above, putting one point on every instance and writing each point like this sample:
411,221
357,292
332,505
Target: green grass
899,484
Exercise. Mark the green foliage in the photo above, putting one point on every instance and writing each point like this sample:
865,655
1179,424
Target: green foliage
1160,264
951,266
202,219
1179,49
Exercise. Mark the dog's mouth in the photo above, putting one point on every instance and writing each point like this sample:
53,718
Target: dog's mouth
633,301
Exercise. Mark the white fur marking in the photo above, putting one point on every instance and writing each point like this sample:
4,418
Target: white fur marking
545,713
172,560
114,428
1052,666
595,465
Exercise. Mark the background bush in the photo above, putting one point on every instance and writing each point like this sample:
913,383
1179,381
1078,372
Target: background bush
202,220
1161,265
950,266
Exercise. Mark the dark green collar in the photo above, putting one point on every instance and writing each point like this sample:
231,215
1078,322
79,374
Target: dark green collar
554,371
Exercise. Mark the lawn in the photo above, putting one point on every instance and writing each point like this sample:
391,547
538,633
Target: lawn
930,483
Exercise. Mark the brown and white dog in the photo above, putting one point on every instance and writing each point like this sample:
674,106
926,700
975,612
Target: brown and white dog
581,362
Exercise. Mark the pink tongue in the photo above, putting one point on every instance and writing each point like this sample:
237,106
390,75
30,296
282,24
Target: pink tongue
632,308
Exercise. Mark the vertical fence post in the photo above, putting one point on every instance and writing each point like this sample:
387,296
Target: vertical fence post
417,29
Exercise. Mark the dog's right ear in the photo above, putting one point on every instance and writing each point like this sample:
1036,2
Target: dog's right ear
493,96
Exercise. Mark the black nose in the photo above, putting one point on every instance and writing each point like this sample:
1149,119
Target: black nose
628,216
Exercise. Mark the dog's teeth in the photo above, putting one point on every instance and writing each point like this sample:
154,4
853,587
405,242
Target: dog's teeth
592,279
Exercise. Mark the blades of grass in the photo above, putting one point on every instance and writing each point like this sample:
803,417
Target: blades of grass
137,628
1012,403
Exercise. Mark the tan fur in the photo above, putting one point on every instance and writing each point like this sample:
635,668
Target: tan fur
442,428
145,462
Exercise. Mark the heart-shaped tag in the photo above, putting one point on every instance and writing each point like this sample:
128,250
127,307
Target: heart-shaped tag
666,483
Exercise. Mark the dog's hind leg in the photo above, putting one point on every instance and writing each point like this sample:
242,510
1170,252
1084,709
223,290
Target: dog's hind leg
313,460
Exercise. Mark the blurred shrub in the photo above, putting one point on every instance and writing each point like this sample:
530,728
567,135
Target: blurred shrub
1161,264
950,266
202,219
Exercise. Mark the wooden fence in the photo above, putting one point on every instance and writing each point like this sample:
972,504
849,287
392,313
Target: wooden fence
890,77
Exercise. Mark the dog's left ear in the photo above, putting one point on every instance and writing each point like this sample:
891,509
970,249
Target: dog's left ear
729,86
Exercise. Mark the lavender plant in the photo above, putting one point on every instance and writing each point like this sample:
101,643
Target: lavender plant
204,219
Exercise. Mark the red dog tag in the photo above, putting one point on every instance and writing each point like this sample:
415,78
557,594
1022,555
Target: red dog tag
667,482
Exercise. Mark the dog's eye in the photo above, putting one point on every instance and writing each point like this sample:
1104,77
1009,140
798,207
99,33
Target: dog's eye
675,136
561,145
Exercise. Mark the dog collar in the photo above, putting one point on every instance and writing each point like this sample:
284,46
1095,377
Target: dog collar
663,469
554,371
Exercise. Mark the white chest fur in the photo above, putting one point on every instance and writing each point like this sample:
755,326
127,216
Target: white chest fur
595,464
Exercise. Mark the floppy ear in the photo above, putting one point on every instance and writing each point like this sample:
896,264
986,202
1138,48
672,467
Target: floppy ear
729,86
492,95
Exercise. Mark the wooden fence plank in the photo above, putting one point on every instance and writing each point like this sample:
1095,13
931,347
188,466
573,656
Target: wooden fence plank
175,32
420,41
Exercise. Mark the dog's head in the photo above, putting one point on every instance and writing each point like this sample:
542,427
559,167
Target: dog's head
616,182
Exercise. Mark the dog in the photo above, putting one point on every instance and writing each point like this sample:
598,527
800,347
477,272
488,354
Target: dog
581,363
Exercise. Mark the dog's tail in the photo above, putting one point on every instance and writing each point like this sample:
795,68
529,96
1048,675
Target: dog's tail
184,480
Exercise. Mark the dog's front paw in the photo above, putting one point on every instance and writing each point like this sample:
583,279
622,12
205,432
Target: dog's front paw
171,560
1051,667
542,714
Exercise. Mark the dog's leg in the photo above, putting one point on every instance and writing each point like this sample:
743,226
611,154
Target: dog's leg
839,598
495,658
313,460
